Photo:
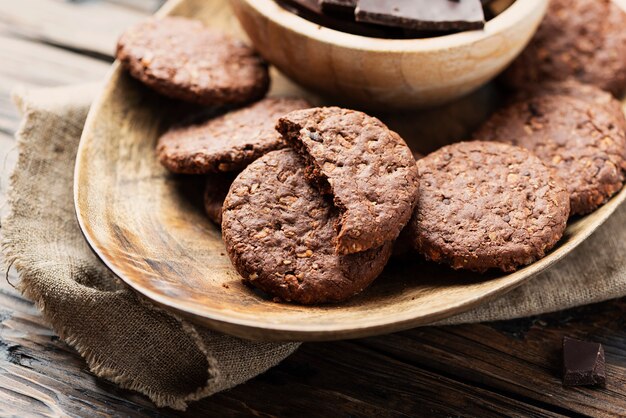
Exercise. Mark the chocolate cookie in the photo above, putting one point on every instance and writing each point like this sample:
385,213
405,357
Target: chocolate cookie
586,92
486,205
229,142
279,233
182,59
584,143
368,169
215,192
584,39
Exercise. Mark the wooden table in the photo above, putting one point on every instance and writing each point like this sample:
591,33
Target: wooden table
507,368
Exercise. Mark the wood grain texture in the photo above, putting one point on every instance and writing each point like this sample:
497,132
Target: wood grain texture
94,27
54,67
379,73
148,227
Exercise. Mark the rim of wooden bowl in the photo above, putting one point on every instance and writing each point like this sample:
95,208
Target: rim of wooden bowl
519,11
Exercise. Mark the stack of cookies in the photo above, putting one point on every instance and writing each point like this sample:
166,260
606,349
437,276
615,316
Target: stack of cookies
316,222
311,201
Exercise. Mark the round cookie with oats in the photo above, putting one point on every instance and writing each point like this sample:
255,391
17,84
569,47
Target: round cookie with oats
582,141
486,205
586,92
279,232
182,59
583,39
229,142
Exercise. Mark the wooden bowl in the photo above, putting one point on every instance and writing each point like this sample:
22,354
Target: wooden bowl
376,73
150,229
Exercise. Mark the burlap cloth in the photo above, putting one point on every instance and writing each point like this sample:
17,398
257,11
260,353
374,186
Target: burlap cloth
138,346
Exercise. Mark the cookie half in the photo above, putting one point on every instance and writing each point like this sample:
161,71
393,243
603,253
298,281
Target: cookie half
229,142
279,233
583,142
367,168
182,59
584,39
485,205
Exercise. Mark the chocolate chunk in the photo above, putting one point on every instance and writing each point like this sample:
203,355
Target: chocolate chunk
312,11
423,14
339,7
583,363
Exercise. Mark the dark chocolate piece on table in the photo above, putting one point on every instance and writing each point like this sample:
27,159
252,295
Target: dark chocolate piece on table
423,14
583,363
343,8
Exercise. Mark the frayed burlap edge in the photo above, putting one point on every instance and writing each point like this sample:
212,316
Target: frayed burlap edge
99,366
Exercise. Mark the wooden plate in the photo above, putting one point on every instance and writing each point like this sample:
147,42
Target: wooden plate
149,227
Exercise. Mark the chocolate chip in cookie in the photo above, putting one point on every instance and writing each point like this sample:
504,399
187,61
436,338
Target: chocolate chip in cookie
229,142
582,141
584,39
485,205
367,169
182,59
279,232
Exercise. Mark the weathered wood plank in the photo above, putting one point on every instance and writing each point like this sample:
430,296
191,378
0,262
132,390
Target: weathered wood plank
346,379
525,366
92,26
29,63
